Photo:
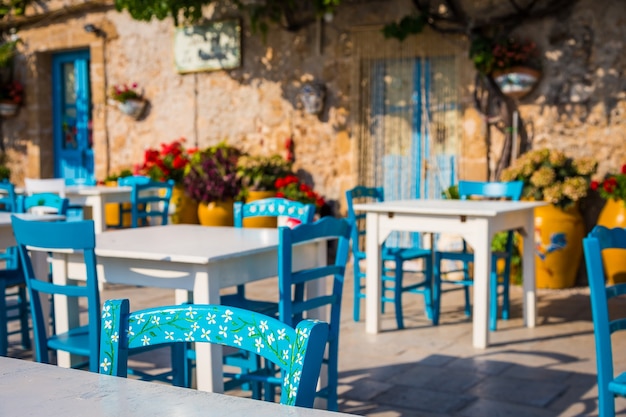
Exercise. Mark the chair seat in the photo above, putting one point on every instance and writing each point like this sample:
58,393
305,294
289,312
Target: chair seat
75,341
404,254
268,308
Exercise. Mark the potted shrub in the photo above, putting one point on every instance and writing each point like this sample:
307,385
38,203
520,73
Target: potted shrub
169,163
211,179
258,178
129,99
562,181
11,98
292,188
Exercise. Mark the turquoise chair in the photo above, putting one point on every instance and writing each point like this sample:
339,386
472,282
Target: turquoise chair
149,200
393,258
80,237
294,304
297,351
267,207
12,277
609,385
483,190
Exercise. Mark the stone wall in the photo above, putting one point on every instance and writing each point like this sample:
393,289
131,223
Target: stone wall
579,105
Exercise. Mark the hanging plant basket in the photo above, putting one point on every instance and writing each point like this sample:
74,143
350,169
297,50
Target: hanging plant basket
8,108
132,107
516,81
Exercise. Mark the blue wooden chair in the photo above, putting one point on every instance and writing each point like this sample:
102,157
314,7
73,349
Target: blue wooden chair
268,207
43,203
393,259
12,277
80,237
609,385
483,190
298,352
149,200
294,304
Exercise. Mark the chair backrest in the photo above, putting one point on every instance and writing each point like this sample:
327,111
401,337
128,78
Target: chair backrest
356,195
273,207
298,352
8,200
598,239
43,203
80,181
78,236
149,199
45,185
511,190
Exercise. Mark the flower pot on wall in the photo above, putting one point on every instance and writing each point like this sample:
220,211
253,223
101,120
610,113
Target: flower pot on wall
558,246
216,213
613,214
183,209
517,81
8,108
132,107
261,221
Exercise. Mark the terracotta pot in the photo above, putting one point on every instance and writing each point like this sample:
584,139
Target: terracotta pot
613,214
183,209
217,213
558,246
261,221
516,81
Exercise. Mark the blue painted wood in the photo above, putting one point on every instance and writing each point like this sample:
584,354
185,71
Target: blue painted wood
297,351
78,236
484,190
393,259
148,199
48,201
609,385
72,132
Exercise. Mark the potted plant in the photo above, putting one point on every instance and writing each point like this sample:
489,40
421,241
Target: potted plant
211,179
11,98
292,188
169,163
562,181
512,63
258,178
613,189
129,99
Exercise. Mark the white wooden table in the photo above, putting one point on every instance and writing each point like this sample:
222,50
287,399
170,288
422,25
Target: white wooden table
198,260
35,389
476,222
97,197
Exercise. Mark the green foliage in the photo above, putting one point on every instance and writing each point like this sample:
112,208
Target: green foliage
259,173
117,175
182,11
451,193
409,25
7,52
5,173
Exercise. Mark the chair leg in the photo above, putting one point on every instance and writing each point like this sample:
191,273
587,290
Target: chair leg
468,304
428,293
436,290
4,332
493,300
397,296
356,311
23,312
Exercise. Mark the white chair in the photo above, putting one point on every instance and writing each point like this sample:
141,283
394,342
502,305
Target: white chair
47,185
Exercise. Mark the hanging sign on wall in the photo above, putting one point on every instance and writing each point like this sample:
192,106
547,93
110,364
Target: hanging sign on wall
208,47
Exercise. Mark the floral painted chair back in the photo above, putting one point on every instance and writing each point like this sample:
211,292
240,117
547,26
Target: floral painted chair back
297,351
274,207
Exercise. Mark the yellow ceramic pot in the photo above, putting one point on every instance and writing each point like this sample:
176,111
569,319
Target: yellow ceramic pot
112,211
613,214
261,221
184,209
217,213
558,246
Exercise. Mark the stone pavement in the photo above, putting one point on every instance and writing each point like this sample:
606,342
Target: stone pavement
434,371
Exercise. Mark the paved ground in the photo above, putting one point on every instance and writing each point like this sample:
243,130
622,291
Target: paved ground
434,371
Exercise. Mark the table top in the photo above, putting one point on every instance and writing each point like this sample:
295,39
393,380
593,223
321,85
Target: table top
483,208
34,389
5,217
185,243
95,189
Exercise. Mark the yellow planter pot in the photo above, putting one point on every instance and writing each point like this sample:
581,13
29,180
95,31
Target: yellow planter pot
112,211
558,246
261,221
613,214
217,213
184,209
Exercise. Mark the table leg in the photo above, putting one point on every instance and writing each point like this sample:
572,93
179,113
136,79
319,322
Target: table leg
373,273
66,312
98,214
528,268
480,240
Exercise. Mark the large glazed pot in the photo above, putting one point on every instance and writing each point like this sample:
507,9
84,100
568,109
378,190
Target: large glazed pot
613,214
183,208
558,246
261,221
216,213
